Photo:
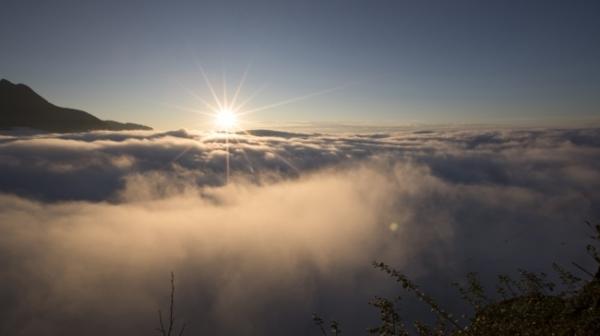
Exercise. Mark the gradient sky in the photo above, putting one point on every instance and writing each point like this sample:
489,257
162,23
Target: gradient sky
399,62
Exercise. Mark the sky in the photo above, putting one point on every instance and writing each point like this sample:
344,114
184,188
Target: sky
374,62
266,227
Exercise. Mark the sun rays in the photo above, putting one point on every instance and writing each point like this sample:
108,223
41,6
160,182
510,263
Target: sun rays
226,115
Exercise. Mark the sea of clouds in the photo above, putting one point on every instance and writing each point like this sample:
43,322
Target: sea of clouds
92,224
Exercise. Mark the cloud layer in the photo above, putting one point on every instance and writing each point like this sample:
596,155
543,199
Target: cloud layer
91,224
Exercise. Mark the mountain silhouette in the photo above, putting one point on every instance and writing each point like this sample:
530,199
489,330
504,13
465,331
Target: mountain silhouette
20,106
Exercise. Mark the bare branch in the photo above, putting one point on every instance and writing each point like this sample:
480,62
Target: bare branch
161,329
583,269
171,319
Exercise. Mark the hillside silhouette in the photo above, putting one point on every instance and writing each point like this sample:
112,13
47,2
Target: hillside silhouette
531,304
20,106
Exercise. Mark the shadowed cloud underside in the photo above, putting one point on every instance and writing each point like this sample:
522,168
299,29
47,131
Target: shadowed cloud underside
92,223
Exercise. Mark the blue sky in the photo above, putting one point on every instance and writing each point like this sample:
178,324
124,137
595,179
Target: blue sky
397,62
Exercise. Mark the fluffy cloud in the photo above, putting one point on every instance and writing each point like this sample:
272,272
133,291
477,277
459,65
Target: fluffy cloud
91,224
94,166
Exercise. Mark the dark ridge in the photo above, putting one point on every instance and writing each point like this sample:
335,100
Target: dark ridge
271,133
21,107
117,126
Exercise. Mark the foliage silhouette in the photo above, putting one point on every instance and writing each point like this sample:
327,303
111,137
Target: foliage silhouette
525,306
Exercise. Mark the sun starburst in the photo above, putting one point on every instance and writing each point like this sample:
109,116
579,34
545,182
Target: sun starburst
226,114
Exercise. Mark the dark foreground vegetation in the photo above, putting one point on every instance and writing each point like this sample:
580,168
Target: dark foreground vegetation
530,304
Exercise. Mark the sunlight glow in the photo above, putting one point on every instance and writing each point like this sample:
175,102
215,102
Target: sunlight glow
225,119
226,113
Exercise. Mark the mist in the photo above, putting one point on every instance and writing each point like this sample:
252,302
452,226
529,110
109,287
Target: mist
92,224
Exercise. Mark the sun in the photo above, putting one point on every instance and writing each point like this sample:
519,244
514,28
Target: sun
225,119
228,115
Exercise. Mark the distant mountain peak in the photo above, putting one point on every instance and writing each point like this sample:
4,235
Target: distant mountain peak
7,83
20,106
